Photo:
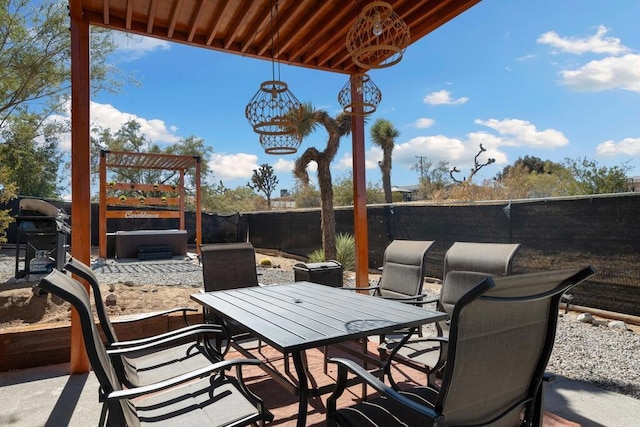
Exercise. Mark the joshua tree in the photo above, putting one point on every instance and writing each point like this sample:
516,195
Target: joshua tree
265,181
306,120
383,134
474,170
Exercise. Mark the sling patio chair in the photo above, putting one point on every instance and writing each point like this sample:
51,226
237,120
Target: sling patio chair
403,271
156,358
501,336
228,266
403,268
476,260
206,396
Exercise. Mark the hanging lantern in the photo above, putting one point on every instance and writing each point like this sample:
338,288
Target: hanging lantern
268,110
280,144
369,95
379,37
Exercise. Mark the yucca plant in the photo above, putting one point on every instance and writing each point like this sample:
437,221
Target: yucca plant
345,252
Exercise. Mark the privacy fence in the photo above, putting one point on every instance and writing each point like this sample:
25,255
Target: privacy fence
602,231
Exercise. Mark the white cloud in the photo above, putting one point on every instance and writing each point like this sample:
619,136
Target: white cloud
609,73
371,158
518,133
628,146
424,122
460,152
133,47
106,116
436,148
526,57
155,130
232,166
596,43
283,166
457,152
443,97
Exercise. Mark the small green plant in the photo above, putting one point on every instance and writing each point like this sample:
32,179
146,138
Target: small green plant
123,198
345,252
265,262
316,256
164,199
141,199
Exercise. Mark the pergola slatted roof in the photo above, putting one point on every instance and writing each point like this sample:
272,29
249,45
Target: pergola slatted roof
307,33
115,159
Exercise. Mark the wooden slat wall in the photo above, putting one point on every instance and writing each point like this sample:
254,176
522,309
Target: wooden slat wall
18,348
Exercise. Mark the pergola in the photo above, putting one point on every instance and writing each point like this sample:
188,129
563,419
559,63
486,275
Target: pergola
311,33
149,161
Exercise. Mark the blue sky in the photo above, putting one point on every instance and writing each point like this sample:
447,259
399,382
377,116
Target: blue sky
546,78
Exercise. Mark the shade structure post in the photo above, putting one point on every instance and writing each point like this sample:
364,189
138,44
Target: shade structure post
360,225
198,175
80,170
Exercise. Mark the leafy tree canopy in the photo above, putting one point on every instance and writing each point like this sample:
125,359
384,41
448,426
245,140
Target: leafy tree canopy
593,178
343,191
433,176
30,152
129,138
35,52
7,192
307,196
219,199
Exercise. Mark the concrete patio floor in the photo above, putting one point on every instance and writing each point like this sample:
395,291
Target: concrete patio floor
49,396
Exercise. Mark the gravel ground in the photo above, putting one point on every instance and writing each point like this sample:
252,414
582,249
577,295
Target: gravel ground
609,358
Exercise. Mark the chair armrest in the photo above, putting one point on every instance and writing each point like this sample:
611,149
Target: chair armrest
430,300
413,299
190,332
368,288
345,365
163,385
200,328
145,316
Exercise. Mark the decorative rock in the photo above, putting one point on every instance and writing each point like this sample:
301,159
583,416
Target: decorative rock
112,287
585,318
618,324
37,291
111,299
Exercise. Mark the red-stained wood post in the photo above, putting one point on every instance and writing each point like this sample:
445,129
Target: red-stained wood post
359,189
80,168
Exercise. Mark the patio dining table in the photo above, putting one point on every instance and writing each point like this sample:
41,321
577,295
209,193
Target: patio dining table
300,316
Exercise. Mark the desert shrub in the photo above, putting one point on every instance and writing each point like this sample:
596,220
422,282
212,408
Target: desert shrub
345,252
265,262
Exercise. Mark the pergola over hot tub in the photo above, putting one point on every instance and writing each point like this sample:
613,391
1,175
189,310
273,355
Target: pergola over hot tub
312,34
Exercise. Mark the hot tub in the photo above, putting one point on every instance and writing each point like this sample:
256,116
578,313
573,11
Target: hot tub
128,243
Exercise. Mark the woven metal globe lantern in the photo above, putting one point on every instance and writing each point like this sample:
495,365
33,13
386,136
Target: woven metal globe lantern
268,109
379,37
280,144
367,102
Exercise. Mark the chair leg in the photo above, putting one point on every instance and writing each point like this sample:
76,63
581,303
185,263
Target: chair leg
326,360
